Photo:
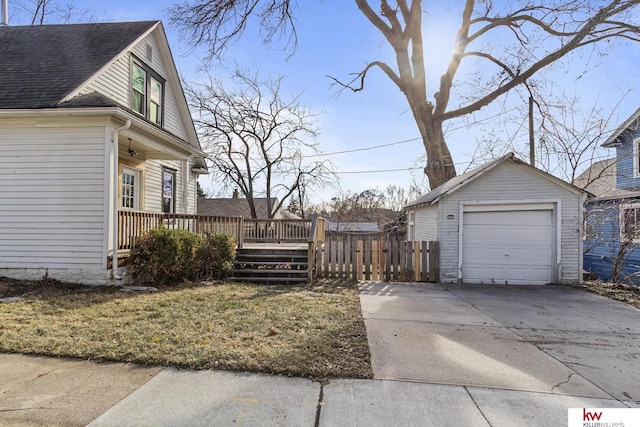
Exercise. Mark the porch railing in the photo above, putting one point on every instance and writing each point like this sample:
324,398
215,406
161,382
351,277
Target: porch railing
133,224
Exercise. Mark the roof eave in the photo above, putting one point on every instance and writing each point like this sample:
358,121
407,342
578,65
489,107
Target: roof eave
613,141
116,112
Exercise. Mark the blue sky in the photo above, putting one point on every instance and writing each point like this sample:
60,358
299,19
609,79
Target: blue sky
337,41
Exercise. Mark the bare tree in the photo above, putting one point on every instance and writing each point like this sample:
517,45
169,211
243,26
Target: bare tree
347,206
40,12
371,205
568,135
396,197
513,41
257,141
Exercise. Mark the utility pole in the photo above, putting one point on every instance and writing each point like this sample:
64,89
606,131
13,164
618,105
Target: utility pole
532,147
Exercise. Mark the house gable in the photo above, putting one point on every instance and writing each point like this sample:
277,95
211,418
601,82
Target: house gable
628,161
73,53
89,66
152,51
626,141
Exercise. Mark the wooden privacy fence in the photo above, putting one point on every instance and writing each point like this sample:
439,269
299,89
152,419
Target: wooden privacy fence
383,260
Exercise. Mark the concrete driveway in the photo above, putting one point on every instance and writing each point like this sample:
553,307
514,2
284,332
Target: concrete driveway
550,339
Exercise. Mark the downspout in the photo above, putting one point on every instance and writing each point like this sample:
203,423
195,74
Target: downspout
4,12
114,225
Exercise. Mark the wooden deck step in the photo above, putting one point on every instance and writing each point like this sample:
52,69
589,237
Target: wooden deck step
271,265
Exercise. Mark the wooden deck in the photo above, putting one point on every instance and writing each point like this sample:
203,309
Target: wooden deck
295,251
133,224
285,245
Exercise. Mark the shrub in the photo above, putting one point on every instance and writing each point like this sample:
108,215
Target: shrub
165,256
215,257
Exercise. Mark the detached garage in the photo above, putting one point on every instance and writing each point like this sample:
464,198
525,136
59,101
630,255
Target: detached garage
505,222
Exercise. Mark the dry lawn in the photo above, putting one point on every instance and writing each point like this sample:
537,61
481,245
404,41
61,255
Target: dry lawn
625,293
316,332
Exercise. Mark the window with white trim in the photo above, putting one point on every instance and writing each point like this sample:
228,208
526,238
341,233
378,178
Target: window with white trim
630,222
147,92
636,157
411,226
130,188
168,191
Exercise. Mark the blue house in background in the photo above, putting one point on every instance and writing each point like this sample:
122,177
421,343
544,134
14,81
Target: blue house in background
612,219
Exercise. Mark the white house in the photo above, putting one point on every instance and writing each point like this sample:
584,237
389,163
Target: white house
93,125
505,222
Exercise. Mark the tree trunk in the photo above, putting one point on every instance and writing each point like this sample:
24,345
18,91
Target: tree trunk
439,168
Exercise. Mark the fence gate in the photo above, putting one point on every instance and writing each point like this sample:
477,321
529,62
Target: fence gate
378,260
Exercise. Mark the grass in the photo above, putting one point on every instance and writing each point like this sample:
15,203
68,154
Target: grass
624,293
309,332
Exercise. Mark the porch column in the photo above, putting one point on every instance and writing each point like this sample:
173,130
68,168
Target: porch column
186,177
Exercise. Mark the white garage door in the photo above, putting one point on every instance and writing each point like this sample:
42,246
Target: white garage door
508,247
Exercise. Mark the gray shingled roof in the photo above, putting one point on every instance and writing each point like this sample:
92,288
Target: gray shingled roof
41,64
233,207
352,227
461,180
600,179
456,181
236,206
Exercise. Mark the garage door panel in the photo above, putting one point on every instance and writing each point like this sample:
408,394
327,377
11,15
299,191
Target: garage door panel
514,247
514,218
530,255
540,275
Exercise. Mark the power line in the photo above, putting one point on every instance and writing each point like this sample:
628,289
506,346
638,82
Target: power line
363,149
378,171
375,147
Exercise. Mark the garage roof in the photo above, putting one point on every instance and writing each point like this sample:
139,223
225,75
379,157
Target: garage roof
461,180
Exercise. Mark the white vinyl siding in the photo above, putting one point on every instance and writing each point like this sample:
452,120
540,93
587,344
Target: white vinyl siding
171,120
114,82
426,223
52,189
153,186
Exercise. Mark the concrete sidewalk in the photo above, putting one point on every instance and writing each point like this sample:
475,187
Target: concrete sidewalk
39,391
442,356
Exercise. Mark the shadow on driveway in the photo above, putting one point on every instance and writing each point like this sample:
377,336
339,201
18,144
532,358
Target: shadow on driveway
551,339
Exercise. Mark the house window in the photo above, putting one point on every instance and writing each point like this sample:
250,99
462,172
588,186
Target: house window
636,158
168,191
130,189
411,226
630,223
147,92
